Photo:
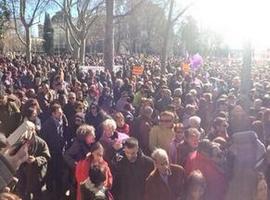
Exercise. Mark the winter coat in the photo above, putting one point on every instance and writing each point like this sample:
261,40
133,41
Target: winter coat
215,178
157,189
31,176
129,178
82,173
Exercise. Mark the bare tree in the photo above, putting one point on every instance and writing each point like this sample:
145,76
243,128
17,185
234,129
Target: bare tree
109,26
80,15
169,27
27,12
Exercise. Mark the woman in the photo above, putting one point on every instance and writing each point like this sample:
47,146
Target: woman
122,126
94,158
196,186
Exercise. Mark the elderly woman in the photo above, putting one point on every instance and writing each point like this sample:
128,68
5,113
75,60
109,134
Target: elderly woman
111,140
81,146
172,175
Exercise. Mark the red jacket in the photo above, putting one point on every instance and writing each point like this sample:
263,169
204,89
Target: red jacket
215,178
81,174
124,129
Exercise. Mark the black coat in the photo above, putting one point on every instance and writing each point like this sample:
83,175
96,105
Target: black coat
129,178
55,141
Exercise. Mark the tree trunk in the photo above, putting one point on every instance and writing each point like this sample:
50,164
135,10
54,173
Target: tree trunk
109,36
28,45
82,51
246,82
166,38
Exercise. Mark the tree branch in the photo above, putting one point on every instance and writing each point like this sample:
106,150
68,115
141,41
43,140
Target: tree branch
15,23
130,11
89,25
182,12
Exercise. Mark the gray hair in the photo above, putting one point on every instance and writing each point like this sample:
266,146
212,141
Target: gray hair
159,154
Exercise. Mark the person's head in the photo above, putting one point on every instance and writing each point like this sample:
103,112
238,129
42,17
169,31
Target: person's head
179,131
97,152
194,122
257,127
161,160
261,189
79,106
56,111
190,109
131,148
192,137
87,133
3,100
147,111
94,109
97,176
207,148
220,124
72,97
31,113
166,119
120,119
196,185
79,119
109,127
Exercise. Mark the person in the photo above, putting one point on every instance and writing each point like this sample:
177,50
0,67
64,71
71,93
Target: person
95,116
162,134
220,126
178,138
81,146
69,108
215,178
141,128
10,162
31,174
261,192
188,145
9,196
247,151
122,126
111,140
196,186
52,131
10,116
166,181
94,158
130,171
93,187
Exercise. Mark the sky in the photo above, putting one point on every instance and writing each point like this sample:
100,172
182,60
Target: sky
237,21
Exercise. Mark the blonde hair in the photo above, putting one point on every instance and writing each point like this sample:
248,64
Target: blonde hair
85,129
110,123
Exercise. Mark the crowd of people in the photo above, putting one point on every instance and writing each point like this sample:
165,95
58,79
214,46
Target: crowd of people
172,135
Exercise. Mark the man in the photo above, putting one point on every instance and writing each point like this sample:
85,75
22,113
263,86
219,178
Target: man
166,181
9,115
31,173
190,144
52,132
204,160
130,172
162,135
69,108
